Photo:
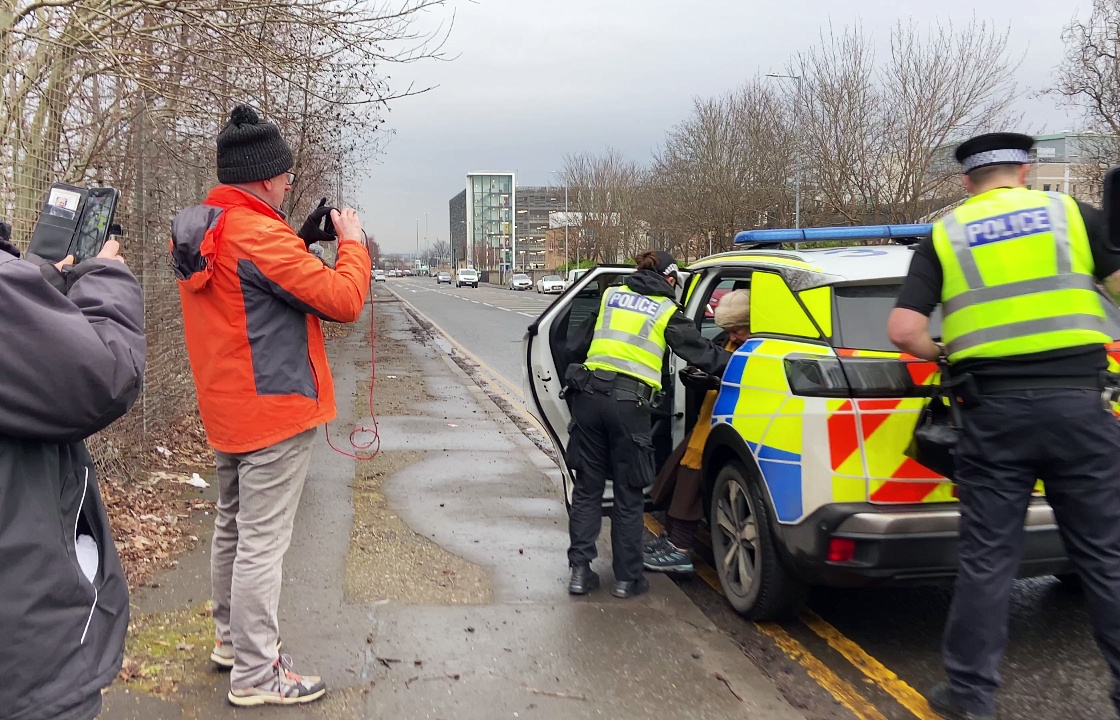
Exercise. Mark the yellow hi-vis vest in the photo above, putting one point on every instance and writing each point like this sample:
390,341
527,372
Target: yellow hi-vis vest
1018,276
630,335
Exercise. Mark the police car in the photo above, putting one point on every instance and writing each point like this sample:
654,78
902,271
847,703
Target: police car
807,481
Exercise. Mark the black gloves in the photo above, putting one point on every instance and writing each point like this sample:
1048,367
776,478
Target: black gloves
696,379
314,229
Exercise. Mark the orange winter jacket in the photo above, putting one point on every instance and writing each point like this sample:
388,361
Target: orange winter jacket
252,299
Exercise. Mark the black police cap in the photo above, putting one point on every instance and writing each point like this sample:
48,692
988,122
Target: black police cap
1001,148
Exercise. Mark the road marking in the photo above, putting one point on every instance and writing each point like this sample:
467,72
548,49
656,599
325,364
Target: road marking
878,673
836,686
527,314
841,690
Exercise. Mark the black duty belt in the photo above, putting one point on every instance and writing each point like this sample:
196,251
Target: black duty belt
621,382
639,388
987,386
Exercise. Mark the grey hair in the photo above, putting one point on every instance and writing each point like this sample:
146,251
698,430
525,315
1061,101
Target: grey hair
734,310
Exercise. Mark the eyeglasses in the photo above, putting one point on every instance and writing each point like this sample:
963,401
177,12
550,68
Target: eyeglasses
291,178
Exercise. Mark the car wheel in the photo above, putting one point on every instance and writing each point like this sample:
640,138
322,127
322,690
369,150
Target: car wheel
753,575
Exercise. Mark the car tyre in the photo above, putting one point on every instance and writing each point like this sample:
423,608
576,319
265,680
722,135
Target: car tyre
475,286
752,573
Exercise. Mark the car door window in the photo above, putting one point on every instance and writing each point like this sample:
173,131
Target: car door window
705,313
581,308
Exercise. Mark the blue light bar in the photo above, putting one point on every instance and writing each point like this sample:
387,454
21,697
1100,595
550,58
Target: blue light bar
846,233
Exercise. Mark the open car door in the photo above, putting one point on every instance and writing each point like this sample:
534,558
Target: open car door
545,356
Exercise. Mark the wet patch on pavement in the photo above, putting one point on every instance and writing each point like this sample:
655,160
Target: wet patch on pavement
388,561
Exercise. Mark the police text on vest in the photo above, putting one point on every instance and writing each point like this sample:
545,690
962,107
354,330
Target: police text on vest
635,302
1008,227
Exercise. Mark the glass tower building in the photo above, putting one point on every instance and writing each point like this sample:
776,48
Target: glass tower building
491,209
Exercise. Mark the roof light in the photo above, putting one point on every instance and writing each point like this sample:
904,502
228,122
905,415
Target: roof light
846,233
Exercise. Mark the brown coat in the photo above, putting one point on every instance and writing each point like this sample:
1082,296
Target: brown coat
680,488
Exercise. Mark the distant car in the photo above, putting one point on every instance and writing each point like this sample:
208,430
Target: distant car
520,281
443,277
550,284
713,303
408,273
573,276
466,276
379,276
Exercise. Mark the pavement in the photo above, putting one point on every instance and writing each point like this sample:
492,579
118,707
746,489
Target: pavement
478,495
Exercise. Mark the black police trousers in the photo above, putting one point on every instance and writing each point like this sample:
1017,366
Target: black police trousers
1067,439
610,438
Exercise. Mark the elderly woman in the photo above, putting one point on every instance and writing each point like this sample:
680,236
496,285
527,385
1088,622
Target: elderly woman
679,485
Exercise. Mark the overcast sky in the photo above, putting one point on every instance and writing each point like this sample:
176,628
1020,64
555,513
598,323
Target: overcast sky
533,80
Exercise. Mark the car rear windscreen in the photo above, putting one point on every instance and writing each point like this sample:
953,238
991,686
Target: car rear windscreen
861,316
862,311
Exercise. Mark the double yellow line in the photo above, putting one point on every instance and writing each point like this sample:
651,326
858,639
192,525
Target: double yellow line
841,690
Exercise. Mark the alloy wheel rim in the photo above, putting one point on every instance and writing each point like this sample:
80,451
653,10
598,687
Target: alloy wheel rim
739,531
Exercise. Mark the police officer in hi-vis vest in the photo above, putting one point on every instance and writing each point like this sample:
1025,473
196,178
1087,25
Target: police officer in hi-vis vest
1015,272
615,389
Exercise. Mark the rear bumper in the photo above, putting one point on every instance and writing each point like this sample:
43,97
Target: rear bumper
906,545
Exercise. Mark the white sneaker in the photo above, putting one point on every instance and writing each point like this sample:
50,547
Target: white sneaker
283,688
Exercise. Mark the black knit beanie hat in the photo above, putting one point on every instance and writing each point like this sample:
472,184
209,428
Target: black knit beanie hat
250,150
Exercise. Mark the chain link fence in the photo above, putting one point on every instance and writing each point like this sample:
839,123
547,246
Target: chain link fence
154,185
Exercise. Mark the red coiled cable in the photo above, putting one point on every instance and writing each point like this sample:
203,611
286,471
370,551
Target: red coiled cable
362,449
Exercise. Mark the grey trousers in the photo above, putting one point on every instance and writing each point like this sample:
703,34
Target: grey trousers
259,492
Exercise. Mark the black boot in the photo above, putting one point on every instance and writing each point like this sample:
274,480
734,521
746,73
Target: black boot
940,698
584,580
630,588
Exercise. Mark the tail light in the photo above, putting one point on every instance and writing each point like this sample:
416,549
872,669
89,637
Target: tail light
841,550
852,377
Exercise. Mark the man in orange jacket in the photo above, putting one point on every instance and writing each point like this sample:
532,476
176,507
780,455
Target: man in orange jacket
253,297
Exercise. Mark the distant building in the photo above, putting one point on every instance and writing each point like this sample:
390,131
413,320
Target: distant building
1070,163
457,213
534,203
495,224
490,207
561,247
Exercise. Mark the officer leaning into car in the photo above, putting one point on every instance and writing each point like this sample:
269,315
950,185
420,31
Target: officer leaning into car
615,390
1015,272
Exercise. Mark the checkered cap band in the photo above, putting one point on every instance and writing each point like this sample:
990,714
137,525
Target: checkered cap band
996,157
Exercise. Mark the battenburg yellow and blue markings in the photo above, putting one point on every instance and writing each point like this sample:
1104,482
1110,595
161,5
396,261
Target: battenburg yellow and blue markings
755,400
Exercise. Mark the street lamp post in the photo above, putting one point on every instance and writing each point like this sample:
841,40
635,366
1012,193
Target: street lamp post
797,181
